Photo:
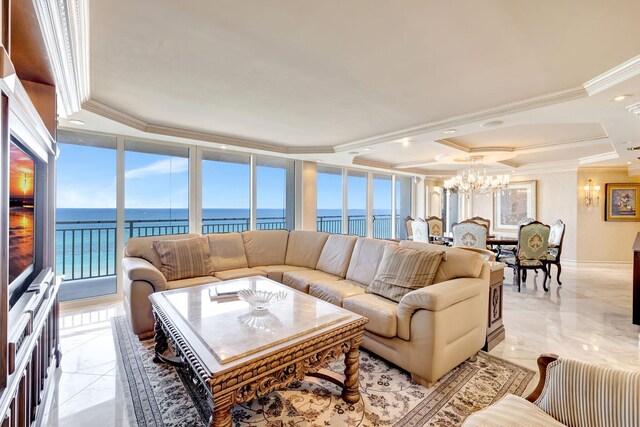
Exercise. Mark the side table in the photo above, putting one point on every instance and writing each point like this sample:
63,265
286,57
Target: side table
495,327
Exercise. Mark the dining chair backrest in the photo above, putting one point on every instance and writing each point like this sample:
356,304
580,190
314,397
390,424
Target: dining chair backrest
484,221
435,226
533,241
556,237
470,234
526,221
420,231
407,225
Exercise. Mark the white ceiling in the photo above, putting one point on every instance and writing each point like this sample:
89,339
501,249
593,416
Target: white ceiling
330,78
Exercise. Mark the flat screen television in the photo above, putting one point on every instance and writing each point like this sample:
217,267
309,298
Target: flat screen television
22,201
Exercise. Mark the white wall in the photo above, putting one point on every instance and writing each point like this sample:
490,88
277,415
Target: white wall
600,240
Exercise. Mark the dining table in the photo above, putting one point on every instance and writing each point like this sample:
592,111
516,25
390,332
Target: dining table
492,240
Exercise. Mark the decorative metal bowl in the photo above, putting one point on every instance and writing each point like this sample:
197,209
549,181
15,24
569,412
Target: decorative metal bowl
261,300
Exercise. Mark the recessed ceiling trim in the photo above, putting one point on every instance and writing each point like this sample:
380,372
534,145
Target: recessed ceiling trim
479,116
509,163
614,76
599,158
134,122
559,145
386,166
415,164
453,145
634,109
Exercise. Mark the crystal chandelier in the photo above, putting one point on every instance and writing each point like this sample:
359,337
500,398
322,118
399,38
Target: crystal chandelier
476,181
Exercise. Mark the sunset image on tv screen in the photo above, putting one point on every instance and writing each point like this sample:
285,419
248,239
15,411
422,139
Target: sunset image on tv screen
20,212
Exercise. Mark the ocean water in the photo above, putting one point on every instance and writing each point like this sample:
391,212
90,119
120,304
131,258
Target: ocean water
86,238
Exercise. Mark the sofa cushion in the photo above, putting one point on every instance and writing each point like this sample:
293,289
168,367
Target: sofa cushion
304,248
302,279
239,273
142,247
511,410
335,291
227,251
365,259
336,254
275,272
265,247
404,270
457,263
193,281
381,313
182,259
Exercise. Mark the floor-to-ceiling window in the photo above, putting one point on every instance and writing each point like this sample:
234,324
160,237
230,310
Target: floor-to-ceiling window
86,215
226,192
404,187
329,199
382,188
450,211
156,189
357,203
275,193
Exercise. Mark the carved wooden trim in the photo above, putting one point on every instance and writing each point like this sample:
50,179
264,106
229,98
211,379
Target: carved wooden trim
543,362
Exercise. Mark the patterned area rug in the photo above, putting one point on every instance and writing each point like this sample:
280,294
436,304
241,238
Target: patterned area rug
160,395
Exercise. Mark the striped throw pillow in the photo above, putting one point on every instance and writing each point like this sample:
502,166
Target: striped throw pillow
185,258
403,270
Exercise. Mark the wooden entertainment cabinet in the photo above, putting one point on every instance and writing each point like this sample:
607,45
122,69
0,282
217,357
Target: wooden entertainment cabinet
29,350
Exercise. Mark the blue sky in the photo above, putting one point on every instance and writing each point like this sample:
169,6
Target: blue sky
86,179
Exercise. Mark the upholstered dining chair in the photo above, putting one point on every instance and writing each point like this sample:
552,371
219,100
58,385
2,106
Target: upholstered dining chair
470,234
556,237
507,251
531,253
420,230
436,229
484,221
407,225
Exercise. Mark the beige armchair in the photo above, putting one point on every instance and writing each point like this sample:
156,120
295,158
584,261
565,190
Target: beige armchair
569,393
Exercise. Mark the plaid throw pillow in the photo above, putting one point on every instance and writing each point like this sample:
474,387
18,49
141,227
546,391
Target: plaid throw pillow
185,258
403,270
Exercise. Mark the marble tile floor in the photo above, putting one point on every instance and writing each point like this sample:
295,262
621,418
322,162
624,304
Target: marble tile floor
588,318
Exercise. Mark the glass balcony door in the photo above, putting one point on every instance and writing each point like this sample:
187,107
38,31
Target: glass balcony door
86,252
382,206
156,189
329,199
275,193
226,192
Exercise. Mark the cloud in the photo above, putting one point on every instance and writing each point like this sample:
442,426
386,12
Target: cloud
161,167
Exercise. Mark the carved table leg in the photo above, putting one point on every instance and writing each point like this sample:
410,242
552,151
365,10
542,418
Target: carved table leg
161,345
160,341
221,416
351,390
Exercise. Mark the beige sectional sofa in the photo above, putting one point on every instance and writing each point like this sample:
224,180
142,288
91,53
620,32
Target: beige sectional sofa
429,332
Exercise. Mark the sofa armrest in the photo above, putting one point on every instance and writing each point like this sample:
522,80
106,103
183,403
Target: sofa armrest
436,298
140,269
441,295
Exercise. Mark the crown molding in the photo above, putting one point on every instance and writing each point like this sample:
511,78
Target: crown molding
66,40
516,107
614,76
634,109
599,158
633,170
454,145
136,123
600,169
385,166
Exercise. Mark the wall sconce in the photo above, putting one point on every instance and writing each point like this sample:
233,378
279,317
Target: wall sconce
591,196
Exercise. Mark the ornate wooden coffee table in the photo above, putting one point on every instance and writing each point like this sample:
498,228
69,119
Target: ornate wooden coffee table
237,354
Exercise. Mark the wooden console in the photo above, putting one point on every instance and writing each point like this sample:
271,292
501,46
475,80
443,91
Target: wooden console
495,327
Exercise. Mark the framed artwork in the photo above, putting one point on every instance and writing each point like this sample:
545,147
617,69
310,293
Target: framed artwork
621,202
514,204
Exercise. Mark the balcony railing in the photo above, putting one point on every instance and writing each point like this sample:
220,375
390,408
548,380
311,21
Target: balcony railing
87,249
